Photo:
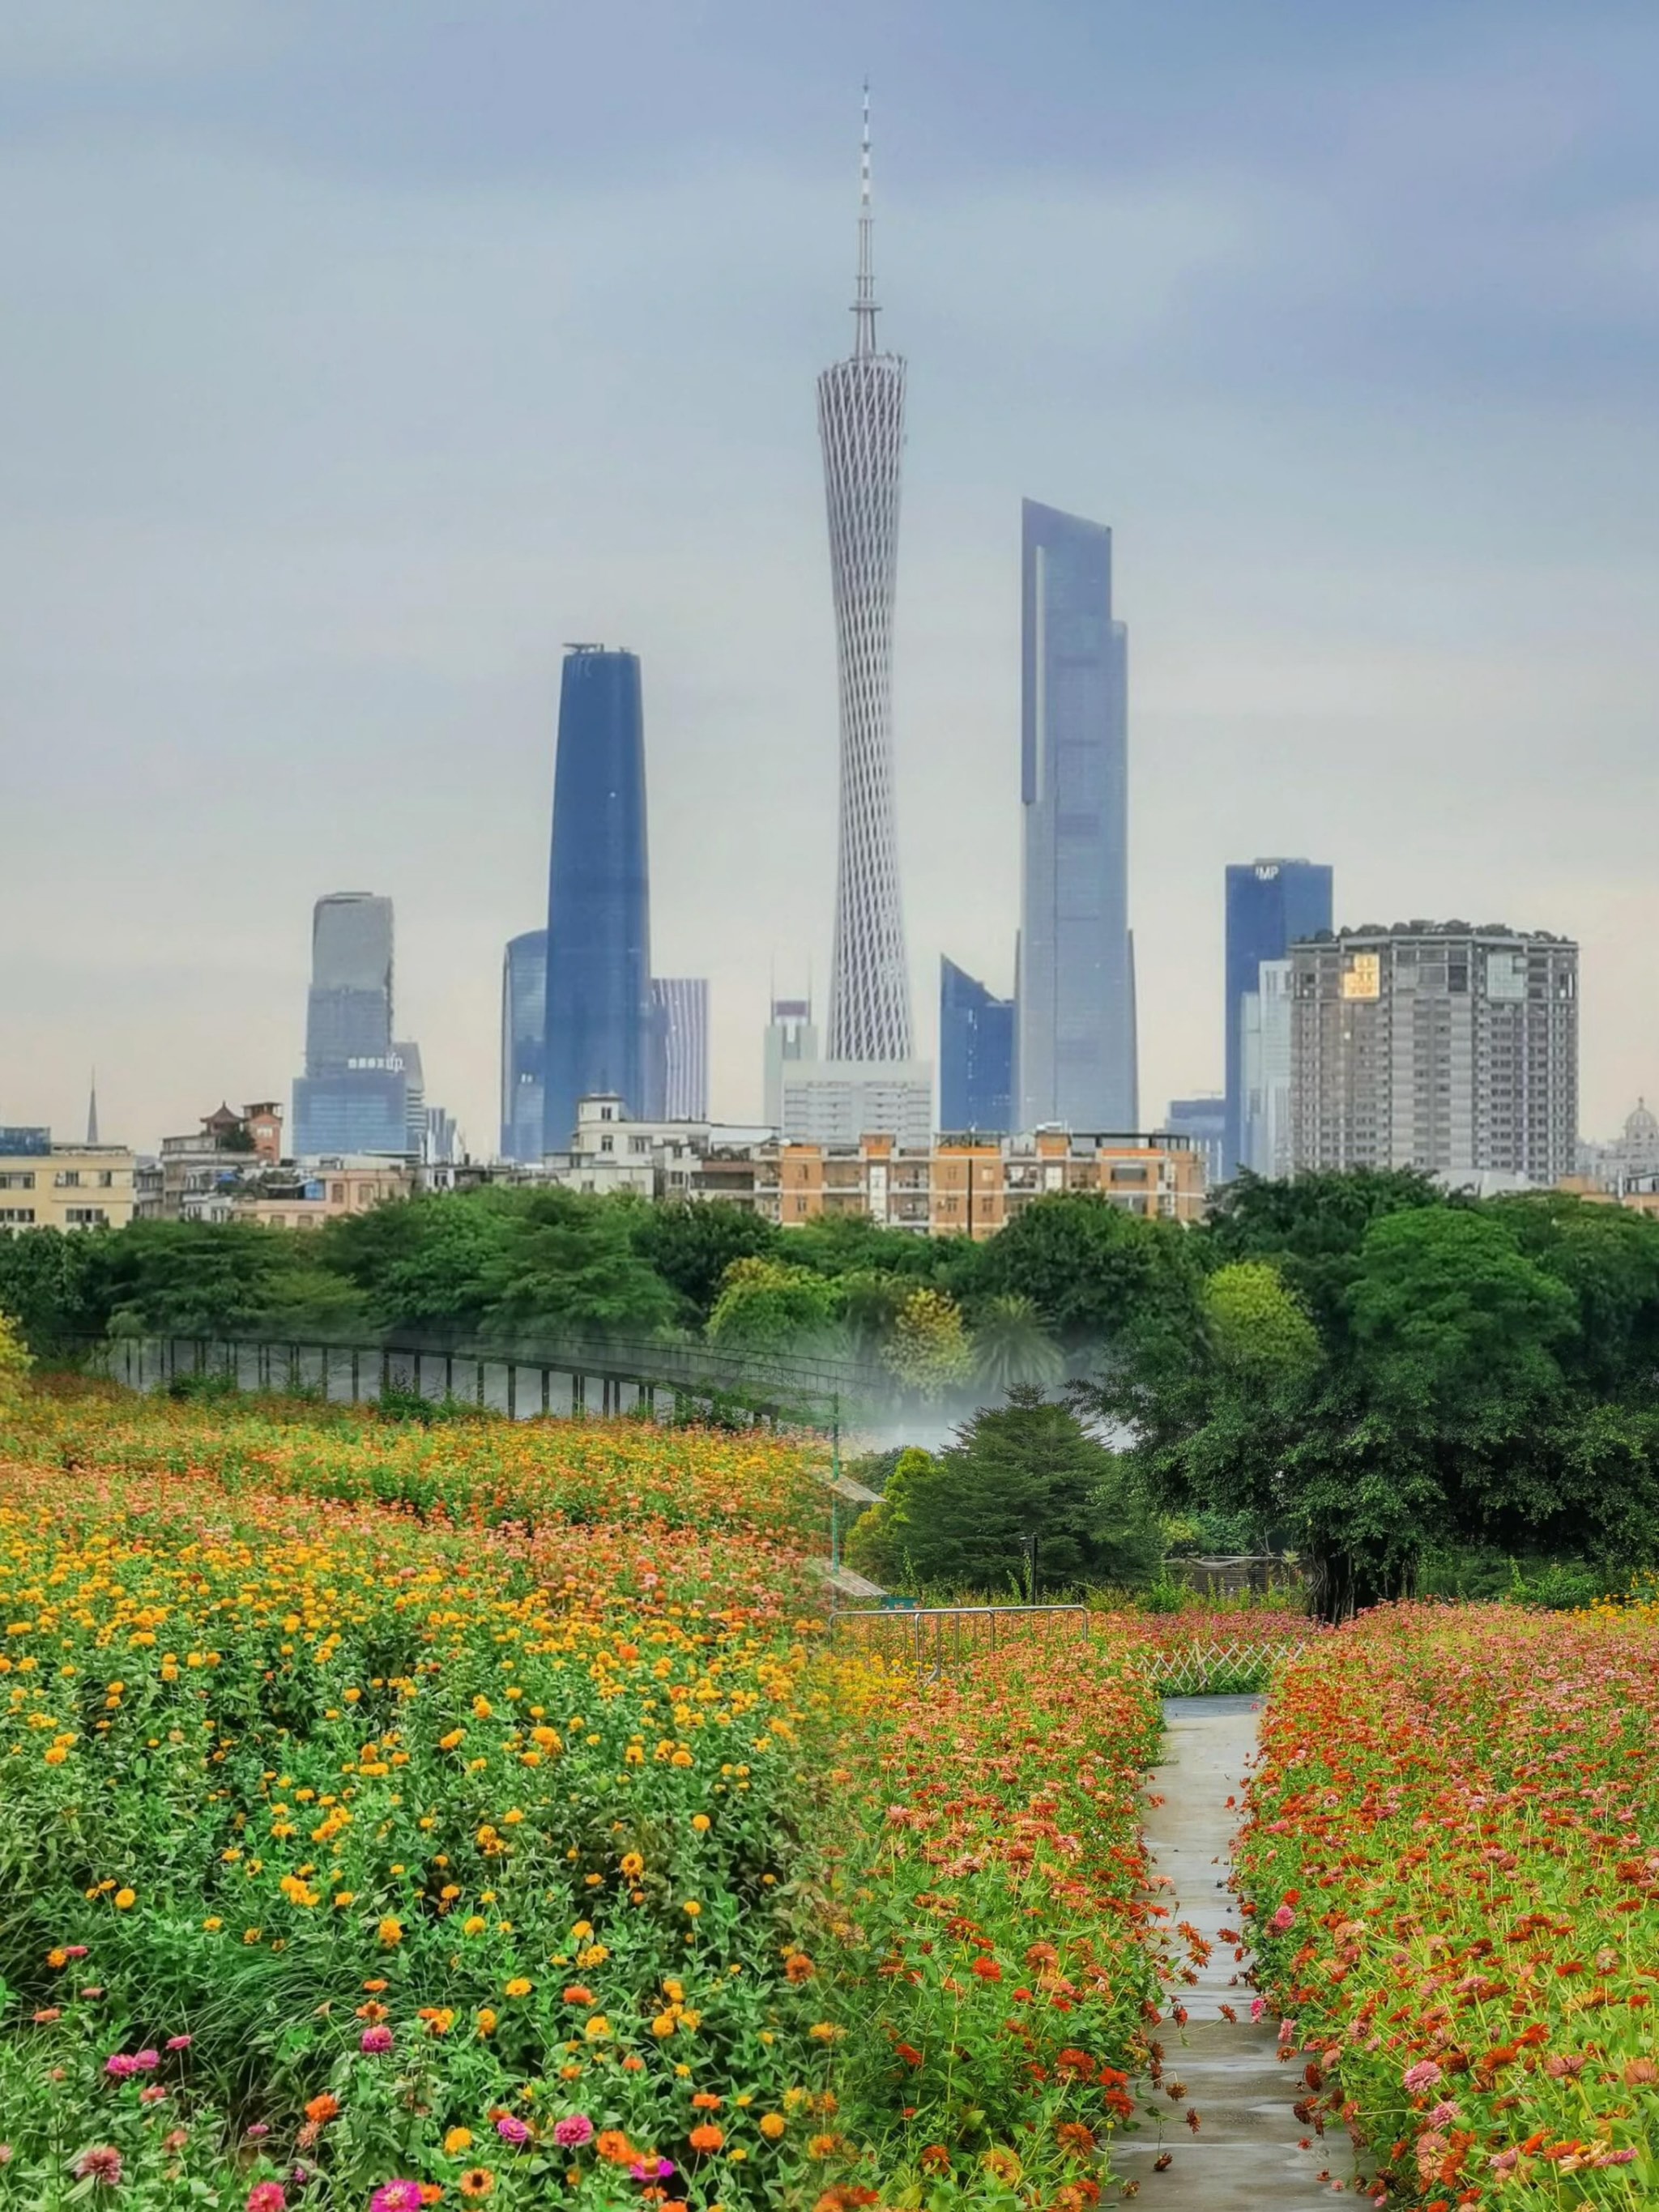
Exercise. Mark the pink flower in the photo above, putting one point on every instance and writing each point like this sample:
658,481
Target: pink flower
396,2197
511,2130
572,2132
260,2129
75,1950
146,2062
652,2169
179,2042
1423,2075
120,2066
1258,2006
1443,2115
267,2197
153,2092
1282,1919
374,2040
101,2164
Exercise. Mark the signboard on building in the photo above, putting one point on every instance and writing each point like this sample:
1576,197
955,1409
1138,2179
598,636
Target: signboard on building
25,1144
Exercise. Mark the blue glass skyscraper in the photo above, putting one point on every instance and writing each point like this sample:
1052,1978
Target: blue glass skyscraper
1076,1055
354,1094
975,1054
599,900
524,1038
1270,903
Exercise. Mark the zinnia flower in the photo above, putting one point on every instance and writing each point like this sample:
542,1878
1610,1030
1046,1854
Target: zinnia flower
396,2197
323,2108
374,2040
101,2164
512,2130
1282,1919
478,2181
267,2197
572,2131
1423,2075
457,2141
708,2136
179,2042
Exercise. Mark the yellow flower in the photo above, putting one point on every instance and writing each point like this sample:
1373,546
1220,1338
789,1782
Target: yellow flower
474,1924
693,1908
772,2125
663,2024
457,2141
451,1743
598,2029
519,1986
700,1822
125,1899
391,1930
486,2021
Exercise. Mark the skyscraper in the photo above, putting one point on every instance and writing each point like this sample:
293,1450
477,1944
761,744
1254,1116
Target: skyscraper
861,430
598,899
792,1040
1075,993
1435,1046
680,1004
354,1094
523,1031
1270,903
1265,1071
975,1054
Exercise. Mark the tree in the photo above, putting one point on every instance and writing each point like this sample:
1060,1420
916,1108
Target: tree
1257,1327
15,1362
570,1265
692,1244
197,1279
1023,1483
48,1283
765,1305
1312,1226
928,1350
1095,1273
1011,1345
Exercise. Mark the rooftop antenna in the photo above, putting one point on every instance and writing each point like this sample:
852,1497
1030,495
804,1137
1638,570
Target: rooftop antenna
863,306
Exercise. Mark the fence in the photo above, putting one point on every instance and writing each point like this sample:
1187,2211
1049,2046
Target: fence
1217,1670
662,1382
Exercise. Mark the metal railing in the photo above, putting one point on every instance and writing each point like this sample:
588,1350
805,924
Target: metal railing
932,1637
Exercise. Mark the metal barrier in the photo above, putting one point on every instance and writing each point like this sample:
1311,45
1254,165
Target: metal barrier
933,1637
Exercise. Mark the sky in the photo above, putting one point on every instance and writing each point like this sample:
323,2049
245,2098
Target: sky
356,358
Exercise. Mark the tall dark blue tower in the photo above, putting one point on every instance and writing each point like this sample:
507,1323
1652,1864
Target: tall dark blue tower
975,1054
1270,903
598,898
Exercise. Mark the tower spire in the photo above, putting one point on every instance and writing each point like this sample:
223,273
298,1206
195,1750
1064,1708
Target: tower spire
92,1110
863,306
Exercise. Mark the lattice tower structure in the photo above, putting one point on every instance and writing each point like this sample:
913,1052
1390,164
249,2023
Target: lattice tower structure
861,430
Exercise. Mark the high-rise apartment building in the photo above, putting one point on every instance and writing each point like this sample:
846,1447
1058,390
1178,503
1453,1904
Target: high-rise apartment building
836,1101
1265,1072
354,1094
680,1039
1270,903
598,1019
1436,1046
861,430
1199,1124
975,1054
792,1038
523,1031
1075,1058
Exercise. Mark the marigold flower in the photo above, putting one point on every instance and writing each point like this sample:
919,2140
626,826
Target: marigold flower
457,2141
125,1899
772,2125
391,1930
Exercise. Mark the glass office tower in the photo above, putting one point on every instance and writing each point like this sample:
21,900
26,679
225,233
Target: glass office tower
1075,993
680,1044
599,1016
524,1030
975,1054
1270,904
354,1096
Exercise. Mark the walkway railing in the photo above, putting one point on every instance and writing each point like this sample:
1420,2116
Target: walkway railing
932,1637
1217,1670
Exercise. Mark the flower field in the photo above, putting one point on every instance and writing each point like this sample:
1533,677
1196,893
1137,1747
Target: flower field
397,1817
1453,1865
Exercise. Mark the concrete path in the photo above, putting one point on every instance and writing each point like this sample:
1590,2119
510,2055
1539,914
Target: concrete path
1245,2151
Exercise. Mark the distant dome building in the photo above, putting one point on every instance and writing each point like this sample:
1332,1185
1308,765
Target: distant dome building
1632,1154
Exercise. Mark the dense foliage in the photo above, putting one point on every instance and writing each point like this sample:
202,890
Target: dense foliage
1452,1868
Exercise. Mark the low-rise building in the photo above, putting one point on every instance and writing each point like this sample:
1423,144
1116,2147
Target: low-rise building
198,1175
308,1195
67,1186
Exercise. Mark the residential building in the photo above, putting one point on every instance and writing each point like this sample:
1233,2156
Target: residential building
1436,1046
67,1186
1265,1072
198,1175
598,906
1075,1057
524,1032
680,1038
354,1094
1199,1123
1270,903
321,1191
975,1054
831,1102
861,431
792,1039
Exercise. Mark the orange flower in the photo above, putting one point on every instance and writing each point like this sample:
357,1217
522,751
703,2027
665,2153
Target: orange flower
478,2181
708,2136
576,1994
935,2159
772,2125
705,2101
323,2108
612,2144
632,1865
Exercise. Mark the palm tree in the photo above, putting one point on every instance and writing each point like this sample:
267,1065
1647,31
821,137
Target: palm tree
1011,1346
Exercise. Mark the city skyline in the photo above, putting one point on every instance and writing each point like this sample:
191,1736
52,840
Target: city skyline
1381,541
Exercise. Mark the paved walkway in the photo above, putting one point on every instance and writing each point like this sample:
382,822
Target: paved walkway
1245,2152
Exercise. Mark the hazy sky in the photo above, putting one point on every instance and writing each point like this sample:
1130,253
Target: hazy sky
355,357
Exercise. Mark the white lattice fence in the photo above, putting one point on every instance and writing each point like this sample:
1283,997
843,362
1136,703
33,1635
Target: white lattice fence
1219,1669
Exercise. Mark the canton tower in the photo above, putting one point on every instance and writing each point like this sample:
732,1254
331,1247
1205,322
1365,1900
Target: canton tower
862,429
